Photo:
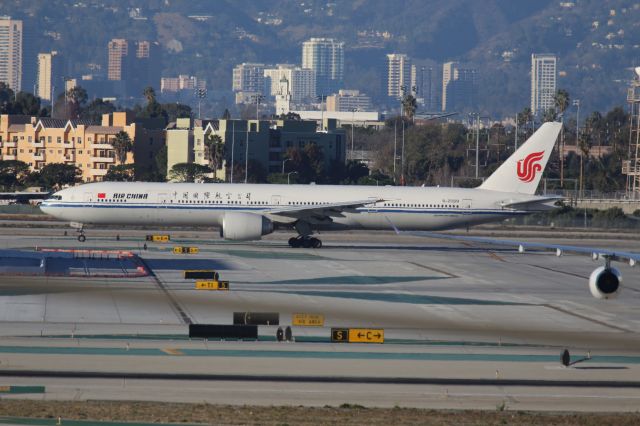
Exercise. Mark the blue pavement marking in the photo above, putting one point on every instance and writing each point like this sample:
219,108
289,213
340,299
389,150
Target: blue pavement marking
355,279
403,298
332,354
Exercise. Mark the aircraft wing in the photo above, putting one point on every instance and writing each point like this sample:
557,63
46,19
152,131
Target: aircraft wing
595,253
317,212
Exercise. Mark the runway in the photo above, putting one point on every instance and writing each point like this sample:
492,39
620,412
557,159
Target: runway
465,326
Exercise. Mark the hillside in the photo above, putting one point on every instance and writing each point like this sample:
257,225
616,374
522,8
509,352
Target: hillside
596,41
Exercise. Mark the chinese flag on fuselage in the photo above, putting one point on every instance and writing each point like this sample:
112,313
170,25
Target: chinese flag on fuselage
102,195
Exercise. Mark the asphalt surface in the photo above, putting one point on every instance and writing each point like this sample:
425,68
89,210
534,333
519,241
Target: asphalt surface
464,325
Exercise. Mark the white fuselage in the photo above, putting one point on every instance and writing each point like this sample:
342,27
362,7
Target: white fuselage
192,204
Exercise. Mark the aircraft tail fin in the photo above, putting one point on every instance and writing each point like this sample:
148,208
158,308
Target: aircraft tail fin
522,171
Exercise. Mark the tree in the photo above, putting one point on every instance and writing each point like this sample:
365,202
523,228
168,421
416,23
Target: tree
409,105
13,173
76,99
561,100
188,172
149,94
121,173
26,104
56,175
95,109
549,115
122,144
214,151
6,98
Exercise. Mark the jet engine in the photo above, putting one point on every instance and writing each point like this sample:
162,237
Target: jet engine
245,226
605,282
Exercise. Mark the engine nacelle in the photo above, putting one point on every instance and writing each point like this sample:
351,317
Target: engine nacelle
245,226
605,283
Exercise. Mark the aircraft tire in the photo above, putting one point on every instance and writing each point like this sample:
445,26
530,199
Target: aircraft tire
307,243
316,243
82,238
294,242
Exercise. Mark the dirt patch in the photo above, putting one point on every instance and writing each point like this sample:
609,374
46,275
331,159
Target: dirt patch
343,415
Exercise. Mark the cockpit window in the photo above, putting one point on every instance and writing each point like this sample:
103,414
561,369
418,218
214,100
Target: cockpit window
56,197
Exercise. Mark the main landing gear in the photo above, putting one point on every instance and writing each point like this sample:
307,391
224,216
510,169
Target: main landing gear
305,241
80,229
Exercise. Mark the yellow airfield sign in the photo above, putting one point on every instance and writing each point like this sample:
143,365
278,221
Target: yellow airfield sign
307,320
357,335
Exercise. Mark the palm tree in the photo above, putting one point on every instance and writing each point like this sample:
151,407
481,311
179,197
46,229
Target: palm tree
409,106
215,151
149,94
122,144
561,100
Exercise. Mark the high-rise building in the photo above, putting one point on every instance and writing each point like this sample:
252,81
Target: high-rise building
543,82
11,52
399,79
424,84
248,77
118,50
458,86
182,82
136,64
325,57
301,82
48,72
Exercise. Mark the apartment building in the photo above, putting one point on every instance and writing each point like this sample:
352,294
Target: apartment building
11,50
543,82
38,141
264,141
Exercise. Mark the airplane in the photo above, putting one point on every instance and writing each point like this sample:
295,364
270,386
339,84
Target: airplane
246,212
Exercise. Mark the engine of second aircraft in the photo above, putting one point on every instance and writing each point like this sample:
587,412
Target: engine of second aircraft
605,283
241,226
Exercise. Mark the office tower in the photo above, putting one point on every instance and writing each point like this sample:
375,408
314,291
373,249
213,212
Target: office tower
424,85
543,82
118,50
325,57
398,75
48,73
458,87
349,101
301,82
11,52
248,77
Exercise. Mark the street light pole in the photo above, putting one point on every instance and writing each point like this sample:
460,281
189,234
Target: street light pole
284,161
353,120
576,102
395,148
246,155
289,175
233,145
477,143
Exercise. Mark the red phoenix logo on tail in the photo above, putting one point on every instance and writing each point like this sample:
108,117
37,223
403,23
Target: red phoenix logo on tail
528,167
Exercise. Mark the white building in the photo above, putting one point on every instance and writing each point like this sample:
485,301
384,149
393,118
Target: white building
349,100
301,82
543,82
325,56
11,52
248,77
399,75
